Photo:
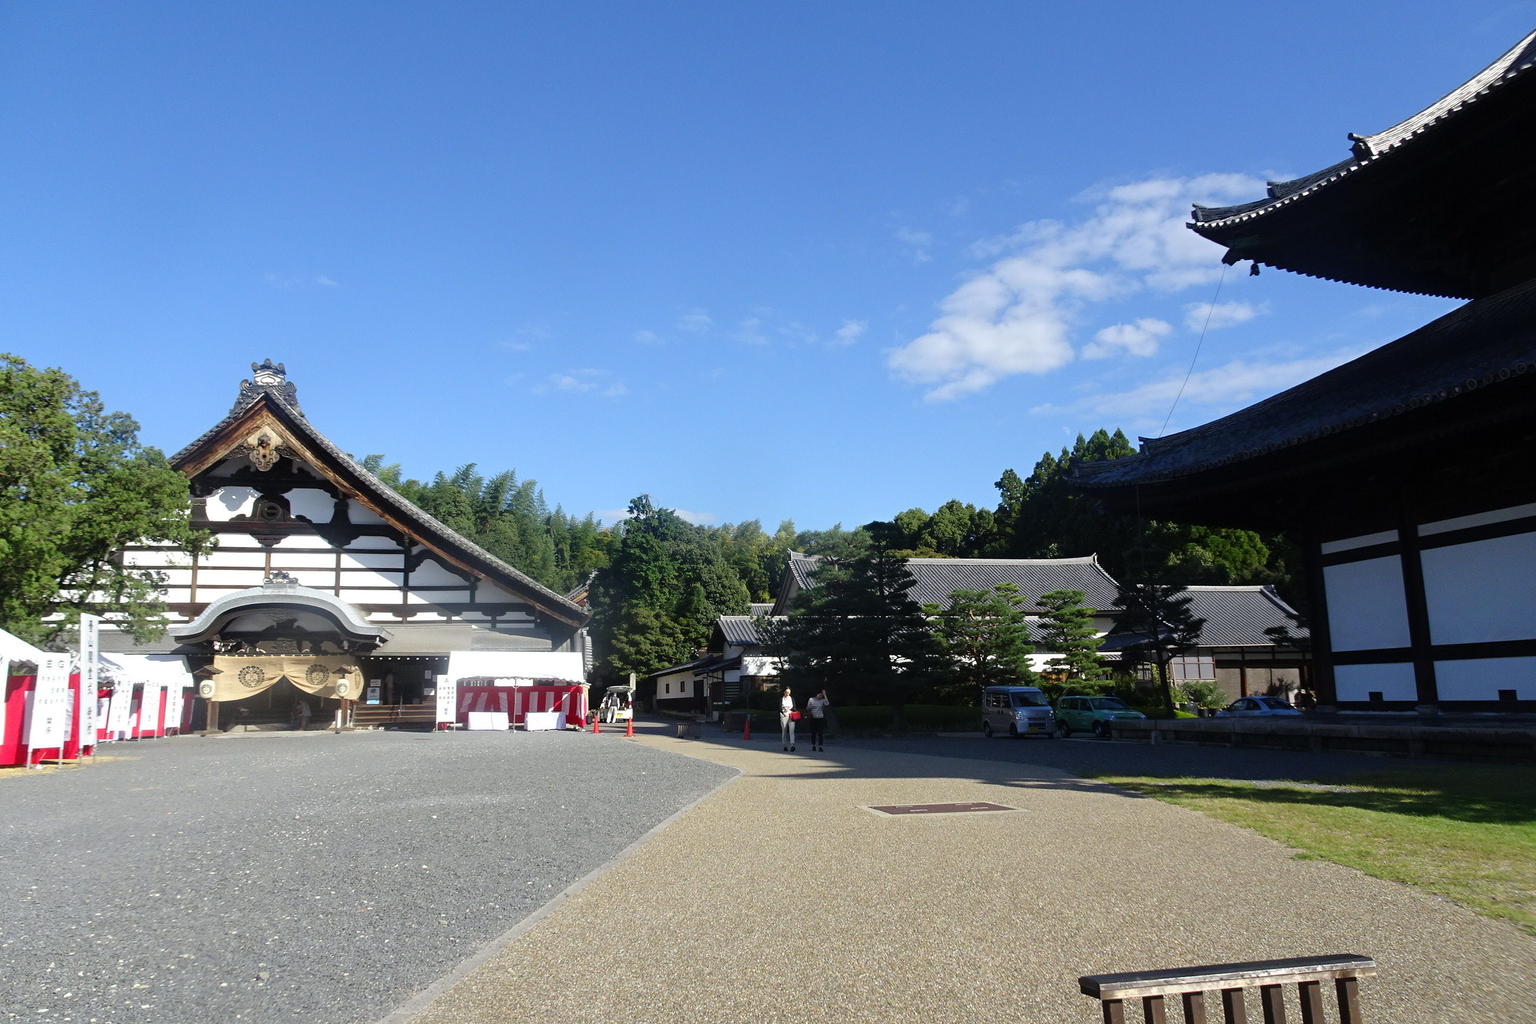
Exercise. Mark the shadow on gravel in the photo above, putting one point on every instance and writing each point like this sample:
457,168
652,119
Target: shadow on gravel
1471,792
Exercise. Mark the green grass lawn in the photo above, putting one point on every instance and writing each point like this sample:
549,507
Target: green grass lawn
1467,832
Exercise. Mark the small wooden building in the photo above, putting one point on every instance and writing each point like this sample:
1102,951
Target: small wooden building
326,585
1407,475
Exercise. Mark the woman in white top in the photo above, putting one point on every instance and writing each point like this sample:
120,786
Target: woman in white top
786,723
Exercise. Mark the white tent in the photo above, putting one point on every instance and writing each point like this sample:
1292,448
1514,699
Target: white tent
155,672
563,665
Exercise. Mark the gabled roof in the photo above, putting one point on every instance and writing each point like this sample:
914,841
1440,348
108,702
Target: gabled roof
934,579
1234,617
271,402
1459,361
742,630
1440,203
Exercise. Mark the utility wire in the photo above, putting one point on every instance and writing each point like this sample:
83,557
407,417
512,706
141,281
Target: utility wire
1209,312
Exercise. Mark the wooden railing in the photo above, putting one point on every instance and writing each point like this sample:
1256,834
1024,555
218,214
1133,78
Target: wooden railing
1230,984
368,716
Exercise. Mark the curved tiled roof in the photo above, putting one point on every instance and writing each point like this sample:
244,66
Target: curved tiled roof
1520,58
934,579
1440,162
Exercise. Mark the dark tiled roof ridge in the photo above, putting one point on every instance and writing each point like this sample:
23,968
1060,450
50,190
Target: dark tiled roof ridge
1370,148
393,497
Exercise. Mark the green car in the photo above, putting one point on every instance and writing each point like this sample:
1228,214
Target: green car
1091,714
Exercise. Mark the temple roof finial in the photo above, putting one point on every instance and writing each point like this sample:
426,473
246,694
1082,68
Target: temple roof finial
268,378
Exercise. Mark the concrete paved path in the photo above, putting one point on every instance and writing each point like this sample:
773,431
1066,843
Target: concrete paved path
781,898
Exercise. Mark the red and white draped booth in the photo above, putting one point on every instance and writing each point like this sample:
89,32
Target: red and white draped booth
514,683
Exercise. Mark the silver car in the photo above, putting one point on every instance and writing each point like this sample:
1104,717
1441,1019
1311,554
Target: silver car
1016,711
1248,707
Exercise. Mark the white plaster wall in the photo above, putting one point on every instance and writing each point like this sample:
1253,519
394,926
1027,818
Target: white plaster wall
374,544
306,560
1355,682
233,560
1365,540
245,540
439,596
370,596
157,559
431,573
373,579
229,502
176,577
230,577
1366,608
1498,515
311,503
361,514
1483,678
177,595
1482,591
382,560
490,594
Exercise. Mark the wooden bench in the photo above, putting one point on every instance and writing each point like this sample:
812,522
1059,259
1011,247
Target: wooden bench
1230,983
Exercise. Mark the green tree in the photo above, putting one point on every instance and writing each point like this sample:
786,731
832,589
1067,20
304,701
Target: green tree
1160,616
984,638
857,632
75,488
1067,631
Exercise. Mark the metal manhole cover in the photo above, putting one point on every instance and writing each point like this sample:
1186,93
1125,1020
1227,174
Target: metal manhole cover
965,808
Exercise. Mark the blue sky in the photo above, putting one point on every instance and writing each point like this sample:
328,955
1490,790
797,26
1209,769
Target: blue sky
819,261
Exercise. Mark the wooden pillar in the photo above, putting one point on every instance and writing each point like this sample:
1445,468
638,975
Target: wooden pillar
1322,640
212,724
1427,689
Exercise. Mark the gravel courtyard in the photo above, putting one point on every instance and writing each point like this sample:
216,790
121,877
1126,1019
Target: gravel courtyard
309,876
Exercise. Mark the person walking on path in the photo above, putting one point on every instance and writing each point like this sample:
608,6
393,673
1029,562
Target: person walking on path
787,716
816,715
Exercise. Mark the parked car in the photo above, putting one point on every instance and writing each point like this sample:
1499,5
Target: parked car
1091,714
1016,711
618,705
1247,707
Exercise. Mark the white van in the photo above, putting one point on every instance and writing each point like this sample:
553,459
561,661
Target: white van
1016,711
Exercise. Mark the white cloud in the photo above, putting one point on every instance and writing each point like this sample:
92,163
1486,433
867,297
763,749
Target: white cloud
1199,316
1137,339
1017,316
648,337
750,331
585,381
696,321
1223,388
850,332
277,280
917,241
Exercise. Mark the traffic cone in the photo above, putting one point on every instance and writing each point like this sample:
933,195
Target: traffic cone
595,722
629,730
746,728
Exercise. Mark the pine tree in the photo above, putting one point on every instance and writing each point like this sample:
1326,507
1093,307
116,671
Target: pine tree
1066,630
985,640
1160,616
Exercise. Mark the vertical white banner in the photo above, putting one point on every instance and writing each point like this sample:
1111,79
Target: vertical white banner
90,671
149,709
121,707
447,699
47,723
175,694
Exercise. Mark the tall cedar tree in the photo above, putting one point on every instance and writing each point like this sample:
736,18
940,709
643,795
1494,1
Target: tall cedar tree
1157,613
1066,630
654,605
76,487
856,632
984,638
